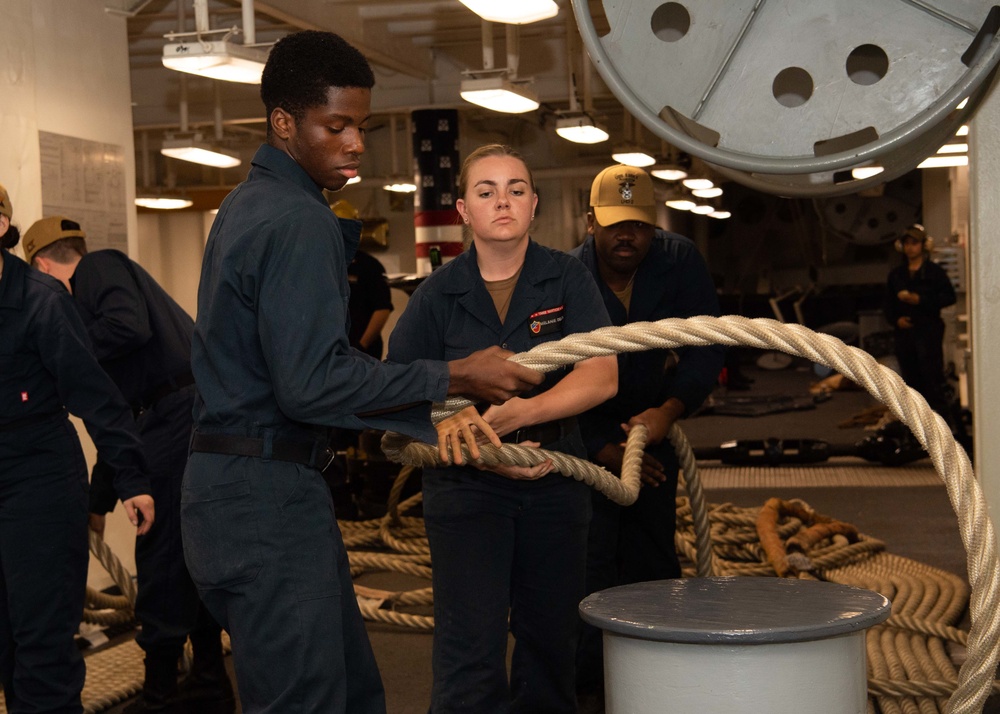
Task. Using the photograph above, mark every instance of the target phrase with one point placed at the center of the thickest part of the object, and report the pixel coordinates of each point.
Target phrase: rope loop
(950, 460)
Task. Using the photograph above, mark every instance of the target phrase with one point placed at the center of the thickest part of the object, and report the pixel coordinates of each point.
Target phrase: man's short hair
(304, 65)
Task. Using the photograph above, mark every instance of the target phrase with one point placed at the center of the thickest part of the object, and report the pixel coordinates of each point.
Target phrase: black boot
(159, 690)
(207, 689)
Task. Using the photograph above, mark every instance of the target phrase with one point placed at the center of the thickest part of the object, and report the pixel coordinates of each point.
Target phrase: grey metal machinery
(787, 96)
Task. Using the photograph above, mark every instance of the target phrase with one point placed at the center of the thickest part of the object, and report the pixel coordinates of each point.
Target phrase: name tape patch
(546, 321)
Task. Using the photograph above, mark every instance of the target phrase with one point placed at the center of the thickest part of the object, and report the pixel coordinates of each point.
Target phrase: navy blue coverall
(919, 348)
(142, 338)
(47, 367)
(500, 545)
(274, 370)
(636, 544)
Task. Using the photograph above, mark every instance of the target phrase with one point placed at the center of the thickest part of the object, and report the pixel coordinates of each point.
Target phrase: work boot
(159, 690)
(207, 689)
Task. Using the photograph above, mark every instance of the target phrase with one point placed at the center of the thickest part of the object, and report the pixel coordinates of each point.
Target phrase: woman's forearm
(591, 382)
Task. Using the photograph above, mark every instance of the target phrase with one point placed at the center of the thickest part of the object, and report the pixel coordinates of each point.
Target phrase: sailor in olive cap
(49, 370)
(142, 339)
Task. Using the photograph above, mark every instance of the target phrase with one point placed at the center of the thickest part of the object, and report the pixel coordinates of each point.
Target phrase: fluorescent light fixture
(954, 149)
(357, 179)
(863, 172)
(632, 156)
(513, 12)
(703, 209)
(400, 186)
(681, 204)
(163, 202)
(580, 129)
(719, 214)
(694, 183)
(942, 161)
(499, 94)
(219, 60)
(669, 173)
(197, 151)
(962, 130)
(961, 104)
(713, 192)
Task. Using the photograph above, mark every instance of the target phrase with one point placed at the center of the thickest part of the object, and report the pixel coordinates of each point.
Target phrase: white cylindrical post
(735, 645)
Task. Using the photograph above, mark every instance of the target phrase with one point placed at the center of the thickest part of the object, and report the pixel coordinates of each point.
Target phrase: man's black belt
(544, 433)
(313, 454)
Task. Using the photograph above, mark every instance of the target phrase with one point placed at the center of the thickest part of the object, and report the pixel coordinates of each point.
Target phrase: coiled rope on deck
(950, 461)
(104, 609)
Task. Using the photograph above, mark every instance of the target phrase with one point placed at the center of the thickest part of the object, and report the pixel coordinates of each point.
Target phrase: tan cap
(47, 231)
(345, 209)
(6, 208)
(623, 193)
(915, 231)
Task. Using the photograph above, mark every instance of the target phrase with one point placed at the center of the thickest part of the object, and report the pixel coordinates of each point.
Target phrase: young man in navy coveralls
(274, 371)
(142, 338)
(644, 274)
(47, 368)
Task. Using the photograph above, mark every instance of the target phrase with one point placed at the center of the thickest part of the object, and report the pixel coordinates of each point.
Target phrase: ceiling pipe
(183, 103)
(249, 27)
(217, 110)
(588, 100)
(147, 172)
(574, 104)
(513, 50)
(200, 15)
(486, 29)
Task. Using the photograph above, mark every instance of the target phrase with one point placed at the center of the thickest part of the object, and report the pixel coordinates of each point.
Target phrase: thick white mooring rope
(950, 460)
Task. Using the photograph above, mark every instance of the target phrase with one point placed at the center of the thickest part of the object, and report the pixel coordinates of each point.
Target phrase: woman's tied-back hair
(490, 150)
(304, 65)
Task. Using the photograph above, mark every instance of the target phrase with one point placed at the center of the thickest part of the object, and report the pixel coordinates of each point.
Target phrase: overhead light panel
(720, 214)
(962, 130)
(198, 151)
(669, 172)
(218, 60)
(353, 180)
(954, 149)
(943, 161)
(499, 94)
(713, 192)
(580, 129)
(632, 156)
(693, 183)
(681, 204)
(400, 186)
(513, 12)
(162, 202)
(703, 209)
